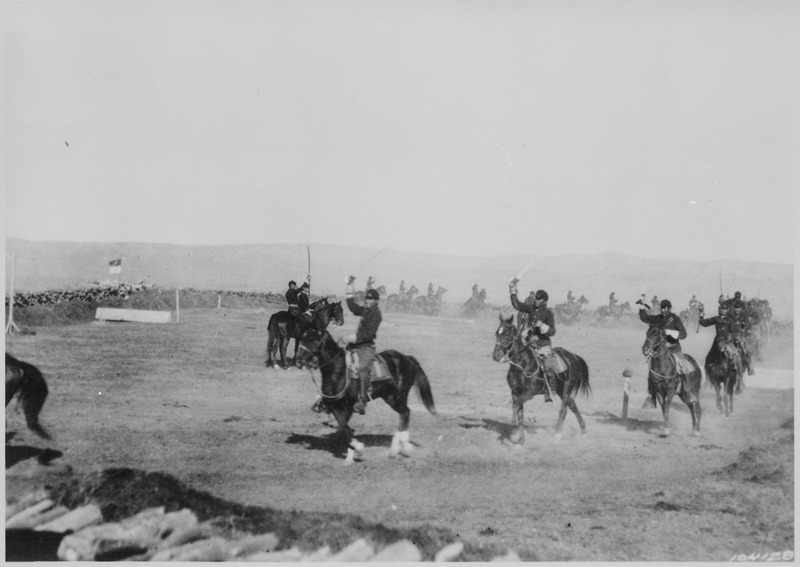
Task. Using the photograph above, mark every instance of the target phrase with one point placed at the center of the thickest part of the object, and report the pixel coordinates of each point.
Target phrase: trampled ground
(194, 400)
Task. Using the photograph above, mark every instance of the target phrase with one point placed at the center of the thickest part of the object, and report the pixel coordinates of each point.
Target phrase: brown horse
(26, 380)
(664, 381)
(723, 370)
(339, 392)
(284, 326)
(526, 376)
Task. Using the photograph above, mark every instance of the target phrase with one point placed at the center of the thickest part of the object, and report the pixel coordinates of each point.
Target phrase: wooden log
(187, 534)
(148, 529)
(18, 519)
(74, 520)
(212, 549)
(26, 501)
(253, 544)
(283, 556)
(44, 517)
(359, 550)
(449, 552)
(322, 554)
(400, 551)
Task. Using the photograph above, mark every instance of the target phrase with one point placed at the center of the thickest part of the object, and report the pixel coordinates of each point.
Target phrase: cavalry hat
(372, 294)
(541, 294)
(291, 283)
(666, 303)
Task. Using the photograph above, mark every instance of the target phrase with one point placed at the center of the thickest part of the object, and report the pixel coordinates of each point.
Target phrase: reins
(512, 354)
(319, 388)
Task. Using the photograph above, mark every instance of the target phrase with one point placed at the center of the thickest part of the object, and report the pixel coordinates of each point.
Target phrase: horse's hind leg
(401, 442)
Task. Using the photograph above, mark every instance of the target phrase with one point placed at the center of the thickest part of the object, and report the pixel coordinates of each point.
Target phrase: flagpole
(119, 274)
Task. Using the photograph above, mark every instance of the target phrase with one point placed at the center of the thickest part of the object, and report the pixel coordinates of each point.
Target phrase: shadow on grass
(334, 444)
(17, 453)
(505, 431)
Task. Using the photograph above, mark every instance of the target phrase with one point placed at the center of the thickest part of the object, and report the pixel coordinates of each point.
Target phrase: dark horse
(663, 379)
(339, 391)
(24, 378)
(283, 326)
(723, 371)
(526, 379)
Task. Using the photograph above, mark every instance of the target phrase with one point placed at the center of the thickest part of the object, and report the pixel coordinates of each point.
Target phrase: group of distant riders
(537, 322)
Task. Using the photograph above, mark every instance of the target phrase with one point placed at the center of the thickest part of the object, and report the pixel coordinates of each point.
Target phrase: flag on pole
(115, 266)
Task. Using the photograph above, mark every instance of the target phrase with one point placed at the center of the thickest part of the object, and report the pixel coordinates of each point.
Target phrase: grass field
(194, 400)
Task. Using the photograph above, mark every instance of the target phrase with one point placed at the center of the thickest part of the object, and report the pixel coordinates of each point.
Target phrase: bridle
(653, 346)
(509, 356)
(313, 352)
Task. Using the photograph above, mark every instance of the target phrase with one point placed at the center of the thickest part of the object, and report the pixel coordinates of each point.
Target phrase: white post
(177, 305)
(219, 301)
(11, 326)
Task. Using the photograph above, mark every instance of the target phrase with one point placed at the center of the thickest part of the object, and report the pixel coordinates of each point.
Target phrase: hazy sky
(659, 129)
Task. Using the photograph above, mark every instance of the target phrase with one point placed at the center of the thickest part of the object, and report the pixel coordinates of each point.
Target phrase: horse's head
(654, 341)
(504, 338)
(412, 290)
(337, 313)
(310, 347)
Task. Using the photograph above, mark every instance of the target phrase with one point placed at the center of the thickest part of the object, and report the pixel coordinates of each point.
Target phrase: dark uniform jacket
(543, 314)
(670, 322)
(291, 299)
(721, 325)
(302, 300)
(371, 319)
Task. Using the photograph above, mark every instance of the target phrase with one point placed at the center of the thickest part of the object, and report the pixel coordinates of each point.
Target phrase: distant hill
(268, 267)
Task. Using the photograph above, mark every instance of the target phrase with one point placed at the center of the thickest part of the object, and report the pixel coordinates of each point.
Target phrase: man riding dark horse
(303, 302)
(541, 326)
(725, 341)
(362, 344)
(738, 329)
(674, 331)
(291, 298)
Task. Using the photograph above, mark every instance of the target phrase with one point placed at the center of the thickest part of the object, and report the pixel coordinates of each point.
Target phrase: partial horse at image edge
(27, 382)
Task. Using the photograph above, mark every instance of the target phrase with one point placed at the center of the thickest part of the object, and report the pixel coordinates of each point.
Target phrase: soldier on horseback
(738, 329)
(570, 297)
(291, 298)
(541, 326)
(674, 332)
(363, 342)
(402, 291)
(726, 344)
(303, 301)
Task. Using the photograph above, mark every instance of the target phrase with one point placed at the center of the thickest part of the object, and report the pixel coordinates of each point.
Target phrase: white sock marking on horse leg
(350, 456)
(405, 441)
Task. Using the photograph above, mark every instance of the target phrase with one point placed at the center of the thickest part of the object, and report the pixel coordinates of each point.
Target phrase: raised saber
(308, 275)
(516, 278)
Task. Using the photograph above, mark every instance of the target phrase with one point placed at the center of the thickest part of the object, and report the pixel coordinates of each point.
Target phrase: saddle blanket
(682, 365)
(552, 360)
(379, 369)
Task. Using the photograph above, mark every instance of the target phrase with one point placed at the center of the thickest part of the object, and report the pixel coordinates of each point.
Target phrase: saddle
(682, 366)
(550, 359)
(380, 371)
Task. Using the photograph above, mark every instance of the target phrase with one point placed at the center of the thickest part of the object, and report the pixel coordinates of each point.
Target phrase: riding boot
(547, 396)
(360, 406)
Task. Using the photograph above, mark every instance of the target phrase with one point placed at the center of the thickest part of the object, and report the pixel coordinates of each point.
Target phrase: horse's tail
(576, 368)
(32, 394)
(422, 383)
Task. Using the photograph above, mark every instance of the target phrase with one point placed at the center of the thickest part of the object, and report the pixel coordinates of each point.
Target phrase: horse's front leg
(721, 390)
(518, 419)
(665, 409)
